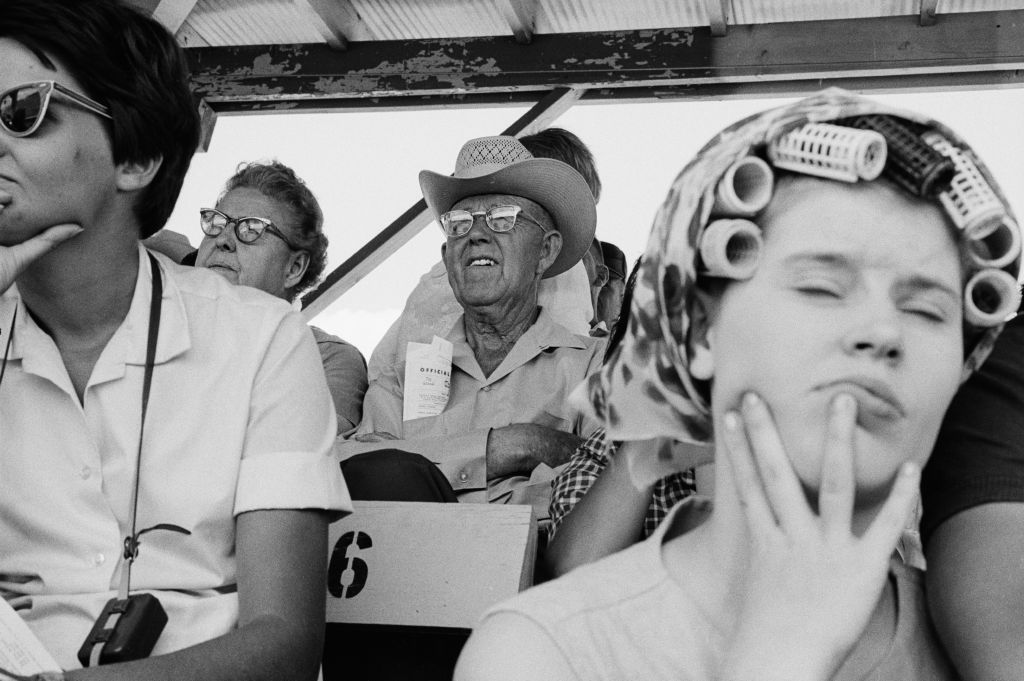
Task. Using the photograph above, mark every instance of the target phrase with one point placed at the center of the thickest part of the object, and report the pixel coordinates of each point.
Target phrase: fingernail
(69, 230)
(750, 400)
(842, 403)
(732, 420)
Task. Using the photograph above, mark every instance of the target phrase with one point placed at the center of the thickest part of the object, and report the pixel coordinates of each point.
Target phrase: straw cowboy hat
(502, 165)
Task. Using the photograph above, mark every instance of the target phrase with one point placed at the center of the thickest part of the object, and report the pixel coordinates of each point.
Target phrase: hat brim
(554, 185)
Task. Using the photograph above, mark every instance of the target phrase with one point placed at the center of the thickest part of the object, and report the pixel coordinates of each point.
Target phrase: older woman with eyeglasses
(267, 232)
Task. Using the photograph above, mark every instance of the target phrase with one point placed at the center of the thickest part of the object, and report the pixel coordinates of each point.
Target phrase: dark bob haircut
(130, 63)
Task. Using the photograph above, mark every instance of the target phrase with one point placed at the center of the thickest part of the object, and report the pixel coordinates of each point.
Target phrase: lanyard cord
(7, 348)
(131, 542)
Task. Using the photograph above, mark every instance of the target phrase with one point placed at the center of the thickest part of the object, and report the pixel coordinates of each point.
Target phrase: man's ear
(550, 247)
(700, 346)
(132, 176)
(298, 263)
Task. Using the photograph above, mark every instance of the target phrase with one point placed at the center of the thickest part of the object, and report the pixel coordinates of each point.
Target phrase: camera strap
(131, 542)
(144, 616)
(7, 345)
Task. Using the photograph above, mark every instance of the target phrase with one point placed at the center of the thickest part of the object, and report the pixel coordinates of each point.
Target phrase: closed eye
(822, 289)
(931, 313)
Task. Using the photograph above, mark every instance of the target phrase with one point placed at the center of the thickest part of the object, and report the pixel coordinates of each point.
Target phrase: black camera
(128, 628)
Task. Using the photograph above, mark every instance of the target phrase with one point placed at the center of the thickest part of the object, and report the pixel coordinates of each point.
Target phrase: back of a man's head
(130, 63)
(564, 146)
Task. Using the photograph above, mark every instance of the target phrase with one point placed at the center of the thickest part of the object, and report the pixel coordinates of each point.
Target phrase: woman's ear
(297, 266)
(132, 176)
(701, 337)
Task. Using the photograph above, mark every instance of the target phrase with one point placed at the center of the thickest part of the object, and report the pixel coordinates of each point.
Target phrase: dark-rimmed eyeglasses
(247, 230)
(456, 223)
(23, 107)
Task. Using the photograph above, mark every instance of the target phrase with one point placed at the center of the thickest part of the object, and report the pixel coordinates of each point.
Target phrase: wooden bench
(407, 581)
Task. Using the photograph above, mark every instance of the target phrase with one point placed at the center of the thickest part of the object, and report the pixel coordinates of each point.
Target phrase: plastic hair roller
(911, 163)
(745, 188)
(990, 297)
(730, 248)
(832, 151)
(996, 244)
(970, 201)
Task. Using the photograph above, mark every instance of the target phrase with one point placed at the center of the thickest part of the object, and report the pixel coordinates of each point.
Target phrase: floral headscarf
(646, 389)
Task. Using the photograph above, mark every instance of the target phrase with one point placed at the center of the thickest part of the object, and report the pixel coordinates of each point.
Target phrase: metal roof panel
(252, 22)
(424, 19)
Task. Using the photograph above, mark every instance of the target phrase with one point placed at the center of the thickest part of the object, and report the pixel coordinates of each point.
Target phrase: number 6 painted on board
(341, 562)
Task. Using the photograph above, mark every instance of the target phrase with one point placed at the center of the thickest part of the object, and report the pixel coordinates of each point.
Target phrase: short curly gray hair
(279, 182)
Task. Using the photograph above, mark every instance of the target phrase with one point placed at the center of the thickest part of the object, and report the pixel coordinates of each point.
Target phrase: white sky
(363, 168)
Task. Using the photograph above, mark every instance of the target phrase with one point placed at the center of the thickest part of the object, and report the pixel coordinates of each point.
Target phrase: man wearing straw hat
(509, 221)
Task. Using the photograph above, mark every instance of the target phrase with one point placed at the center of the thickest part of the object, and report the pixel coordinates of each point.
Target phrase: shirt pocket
(456, 419)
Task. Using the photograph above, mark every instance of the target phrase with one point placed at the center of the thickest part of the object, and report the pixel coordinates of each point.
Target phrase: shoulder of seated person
(325, 337)
(201, 282)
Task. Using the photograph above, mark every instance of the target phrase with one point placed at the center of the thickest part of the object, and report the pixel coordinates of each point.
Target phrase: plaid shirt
(588, 461)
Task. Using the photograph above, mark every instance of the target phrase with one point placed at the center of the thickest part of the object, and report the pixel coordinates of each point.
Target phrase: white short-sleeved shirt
(239, 419)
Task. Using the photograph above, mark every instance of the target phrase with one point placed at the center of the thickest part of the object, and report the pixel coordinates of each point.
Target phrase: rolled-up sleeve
(287, 462)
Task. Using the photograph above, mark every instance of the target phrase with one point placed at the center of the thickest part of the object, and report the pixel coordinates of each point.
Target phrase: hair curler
(745, 188)
(990, 297)
(730, 248)
(911, 163)
(833, 151)
(969, 201)
(996, 244)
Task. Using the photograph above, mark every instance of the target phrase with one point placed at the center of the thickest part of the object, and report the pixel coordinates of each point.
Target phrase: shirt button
(463, 476)
(99, 559)
(86, 472)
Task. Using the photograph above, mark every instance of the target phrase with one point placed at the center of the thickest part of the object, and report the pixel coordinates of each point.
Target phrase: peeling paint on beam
(388, 68)
(886, 47)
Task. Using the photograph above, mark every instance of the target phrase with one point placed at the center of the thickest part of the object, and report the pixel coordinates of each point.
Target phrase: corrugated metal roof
(253, 22)
(759, 12)
(574, 16)
(422, 19)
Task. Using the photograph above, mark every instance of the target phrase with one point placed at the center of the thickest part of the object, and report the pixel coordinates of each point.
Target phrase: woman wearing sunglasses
(267, 232)
(164, 436)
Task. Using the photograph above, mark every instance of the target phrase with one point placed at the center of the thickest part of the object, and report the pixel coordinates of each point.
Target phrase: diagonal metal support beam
(521, 17)
(718, 16)
(413, 220)
(173, 13)
(336, 20)
(928, 9)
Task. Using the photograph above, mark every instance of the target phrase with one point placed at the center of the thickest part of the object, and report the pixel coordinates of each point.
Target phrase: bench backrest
(425, 564)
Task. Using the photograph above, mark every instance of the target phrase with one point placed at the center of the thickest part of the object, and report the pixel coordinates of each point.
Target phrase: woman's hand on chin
(811, 584)
(14, 259)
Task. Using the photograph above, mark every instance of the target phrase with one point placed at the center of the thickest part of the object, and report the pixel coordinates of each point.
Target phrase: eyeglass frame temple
(87, 102)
